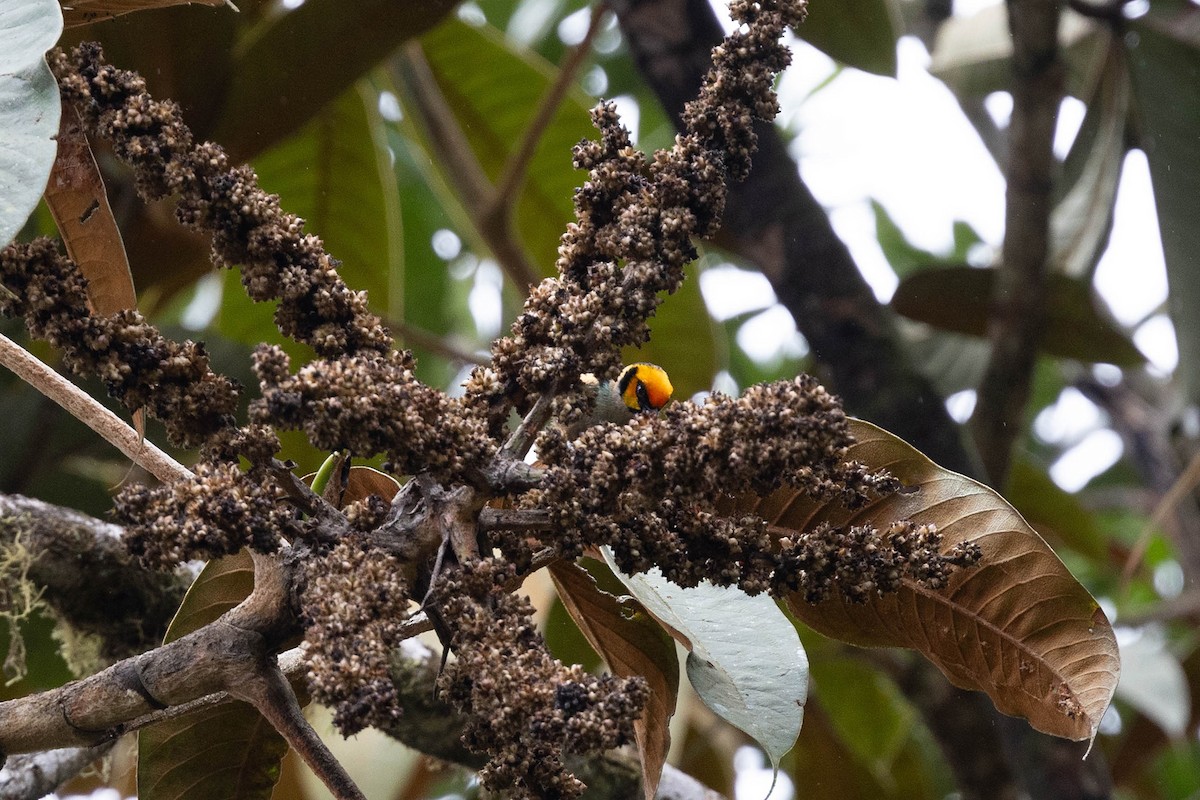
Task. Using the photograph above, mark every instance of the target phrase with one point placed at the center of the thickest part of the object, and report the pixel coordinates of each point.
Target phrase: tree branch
(27, 777)
(80, 405)
(1018, 304)
(79, 561)
(434, 728)
(272, 695)
(453, 152)
(220, 656)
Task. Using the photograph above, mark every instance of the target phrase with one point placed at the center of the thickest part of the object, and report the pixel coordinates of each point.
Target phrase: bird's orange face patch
(645, 387)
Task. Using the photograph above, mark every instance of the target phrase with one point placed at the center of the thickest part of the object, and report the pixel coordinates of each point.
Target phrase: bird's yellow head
(644, 387)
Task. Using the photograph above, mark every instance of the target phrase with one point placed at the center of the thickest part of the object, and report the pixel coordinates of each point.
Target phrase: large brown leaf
(79, 203)
(631, 643)
(1017, 626)
(84, 12)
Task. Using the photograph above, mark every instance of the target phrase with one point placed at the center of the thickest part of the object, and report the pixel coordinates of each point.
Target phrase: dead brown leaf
(84, 12)
(1018, 626)
(348, 486)
(631, 643)
(79, 203)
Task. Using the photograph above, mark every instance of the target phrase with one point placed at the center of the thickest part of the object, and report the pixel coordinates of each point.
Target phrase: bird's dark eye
(643, 397)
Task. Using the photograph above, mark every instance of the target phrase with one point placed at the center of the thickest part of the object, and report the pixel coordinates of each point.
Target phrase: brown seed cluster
(371, 403)
(353, 605)
(217, 513)
(249, 230)
(860, 563)
(636, 219)
(651, 489)
(738, 85)
(526, 709)
(139, 367)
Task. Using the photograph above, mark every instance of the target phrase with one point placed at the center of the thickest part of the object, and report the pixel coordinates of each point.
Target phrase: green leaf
(972, 52)
(320, 479)
(336, 173)
(745, 660)
(1056, 514)
(426, 276)
(29, 108)
(298, 61)
(494, 89)
(858, 33)
(221, 585)
(905, 257)
(886, 753)
(1165, 63)
(957, 299)
(952, 361)
(1154, 682)
(222, 752)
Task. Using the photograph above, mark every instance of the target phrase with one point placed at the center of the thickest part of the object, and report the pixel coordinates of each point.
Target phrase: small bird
(640, 389)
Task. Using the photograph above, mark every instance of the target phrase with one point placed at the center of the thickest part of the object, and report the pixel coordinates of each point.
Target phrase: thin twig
(516, 167)
(514, 519)
(329, 519)
(1183, 486)
(1018, 303)
(414, 625)
(517, 446)
(413, 335)
(455, 155)
(83, 407)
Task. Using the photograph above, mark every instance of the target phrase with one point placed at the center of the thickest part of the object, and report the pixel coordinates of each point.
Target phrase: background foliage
(355, 150)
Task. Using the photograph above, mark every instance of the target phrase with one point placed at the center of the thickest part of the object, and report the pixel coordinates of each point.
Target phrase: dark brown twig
(1018, 304)
(454, 153)
(515, 169)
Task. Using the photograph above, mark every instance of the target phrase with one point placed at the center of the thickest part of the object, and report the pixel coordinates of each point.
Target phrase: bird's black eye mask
(643, 397)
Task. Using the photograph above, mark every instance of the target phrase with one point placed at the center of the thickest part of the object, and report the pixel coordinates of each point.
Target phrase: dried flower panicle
(650, 489)
(738, 86)
(370, 404)
(526, 710)
(860, 562)
(636, 219)
(216, 513)
(656, 490)
(278, 260)
(353, 603)
(138, 366)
